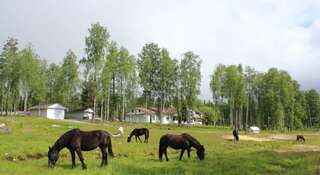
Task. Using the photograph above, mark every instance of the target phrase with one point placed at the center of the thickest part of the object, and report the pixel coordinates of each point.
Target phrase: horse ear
(202, 147)
(50, 148)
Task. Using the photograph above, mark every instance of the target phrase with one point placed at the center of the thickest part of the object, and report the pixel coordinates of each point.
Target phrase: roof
(89, 110)
(52, 106)
(86, 110)
(254, 128)
(169, 110)
(140, 110)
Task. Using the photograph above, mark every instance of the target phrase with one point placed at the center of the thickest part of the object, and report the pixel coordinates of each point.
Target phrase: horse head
(129, 138)
(53, 156)
(200, 152)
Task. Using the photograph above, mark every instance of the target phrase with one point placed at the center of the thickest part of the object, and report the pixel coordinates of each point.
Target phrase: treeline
(108, 78)
(244, 97)
(112, 81)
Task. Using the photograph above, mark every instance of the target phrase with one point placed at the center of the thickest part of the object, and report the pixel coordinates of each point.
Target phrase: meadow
(24, 151)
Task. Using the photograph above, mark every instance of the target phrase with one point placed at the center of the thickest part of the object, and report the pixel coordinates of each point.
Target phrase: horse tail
(116, 135)
(160, 151)
(110, 147)
(147, 133)
(161, 144)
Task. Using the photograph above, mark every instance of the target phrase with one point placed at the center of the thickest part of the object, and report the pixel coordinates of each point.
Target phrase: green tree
(10, 66)
(148, 66)
(190, 77)
(68, 80)
(28, 74)
(53, 73)
(96, 44)
(313, 107)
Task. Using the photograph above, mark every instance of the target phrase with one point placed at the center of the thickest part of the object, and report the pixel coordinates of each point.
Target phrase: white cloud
(263, 34)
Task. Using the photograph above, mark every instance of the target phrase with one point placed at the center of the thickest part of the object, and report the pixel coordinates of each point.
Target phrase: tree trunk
(247, 113)
(94, 107)
(231, 116)
(25, 102)
(108, 105)
(146, 106)
(123, 105)
(101, 109)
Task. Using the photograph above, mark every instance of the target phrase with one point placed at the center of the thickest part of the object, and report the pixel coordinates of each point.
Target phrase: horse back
(174, 141)
(89, 140)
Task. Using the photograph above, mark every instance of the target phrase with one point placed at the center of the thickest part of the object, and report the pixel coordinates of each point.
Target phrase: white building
(54, 111)
(141, 115)
(254, 129)
(195, 118)
(81, 114)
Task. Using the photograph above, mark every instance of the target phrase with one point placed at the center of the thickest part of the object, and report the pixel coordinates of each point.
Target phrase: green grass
(23, 151)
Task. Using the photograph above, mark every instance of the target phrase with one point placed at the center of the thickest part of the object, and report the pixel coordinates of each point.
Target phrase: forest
(113, 81)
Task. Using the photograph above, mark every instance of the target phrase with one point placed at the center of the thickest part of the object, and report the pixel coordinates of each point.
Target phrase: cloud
(263, 34)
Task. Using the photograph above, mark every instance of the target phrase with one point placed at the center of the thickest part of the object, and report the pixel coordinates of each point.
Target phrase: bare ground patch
(282, 137)
(300, 148)
(258, 138)
(248, 138)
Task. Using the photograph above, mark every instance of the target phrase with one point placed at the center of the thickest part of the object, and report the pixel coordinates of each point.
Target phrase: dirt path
(248, 138)
(300, 148)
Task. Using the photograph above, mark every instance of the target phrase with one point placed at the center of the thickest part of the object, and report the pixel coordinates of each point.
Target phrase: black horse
(300, 138)
(235, 134)
(76, 140)
(183, 142)
(139, 132)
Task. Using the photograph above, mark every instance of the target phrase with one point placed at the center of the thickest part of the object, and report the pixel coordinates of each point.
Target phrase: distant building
(53, 111)
(195, 117)
(141, 115)
(254, 129)
(80, 114)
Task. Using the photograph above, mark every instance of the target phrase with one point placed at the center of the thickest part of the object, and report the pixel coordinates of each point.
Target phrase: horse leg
(181, 154)
(81, 159)
(136, 139)
(139, 139)
(188, 150)
(103, 160)
(160, 154)
(165, 153)
(73, 156)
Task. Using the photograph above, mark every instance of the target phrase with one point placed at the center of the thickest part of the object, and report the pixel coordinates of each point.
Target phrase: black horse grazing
(76, 140)
(300, 138)
(139, 132)
(183, 142)
(235, 135)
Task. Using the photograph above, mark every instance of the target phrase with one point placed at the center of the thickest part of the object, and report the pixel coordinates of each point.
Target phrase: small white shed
(80, 114)
(254, 129)
(53, 111)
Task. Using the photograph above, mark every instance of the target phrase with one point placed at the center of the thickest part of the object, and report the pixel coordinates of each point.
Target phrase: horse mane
(194, 142)
(62, 140)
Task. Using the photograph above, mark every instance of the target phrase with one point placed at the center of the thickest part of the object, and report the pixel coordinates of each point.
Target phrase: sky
(262, 34)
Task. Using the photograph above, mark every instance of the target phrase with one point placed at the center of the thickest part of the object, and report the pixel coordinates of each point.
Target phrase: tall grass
(24, 150)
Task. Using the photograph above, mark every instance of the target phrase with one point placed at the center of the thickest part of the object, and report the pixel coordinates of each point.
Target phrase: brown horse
(300, 138)
(76, 140)
(139, 132)
(183, 142)
(235, 134)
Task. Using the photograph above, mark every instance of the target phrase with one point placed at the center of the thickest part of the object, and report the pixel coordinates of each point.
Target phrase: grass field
(24, 150)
